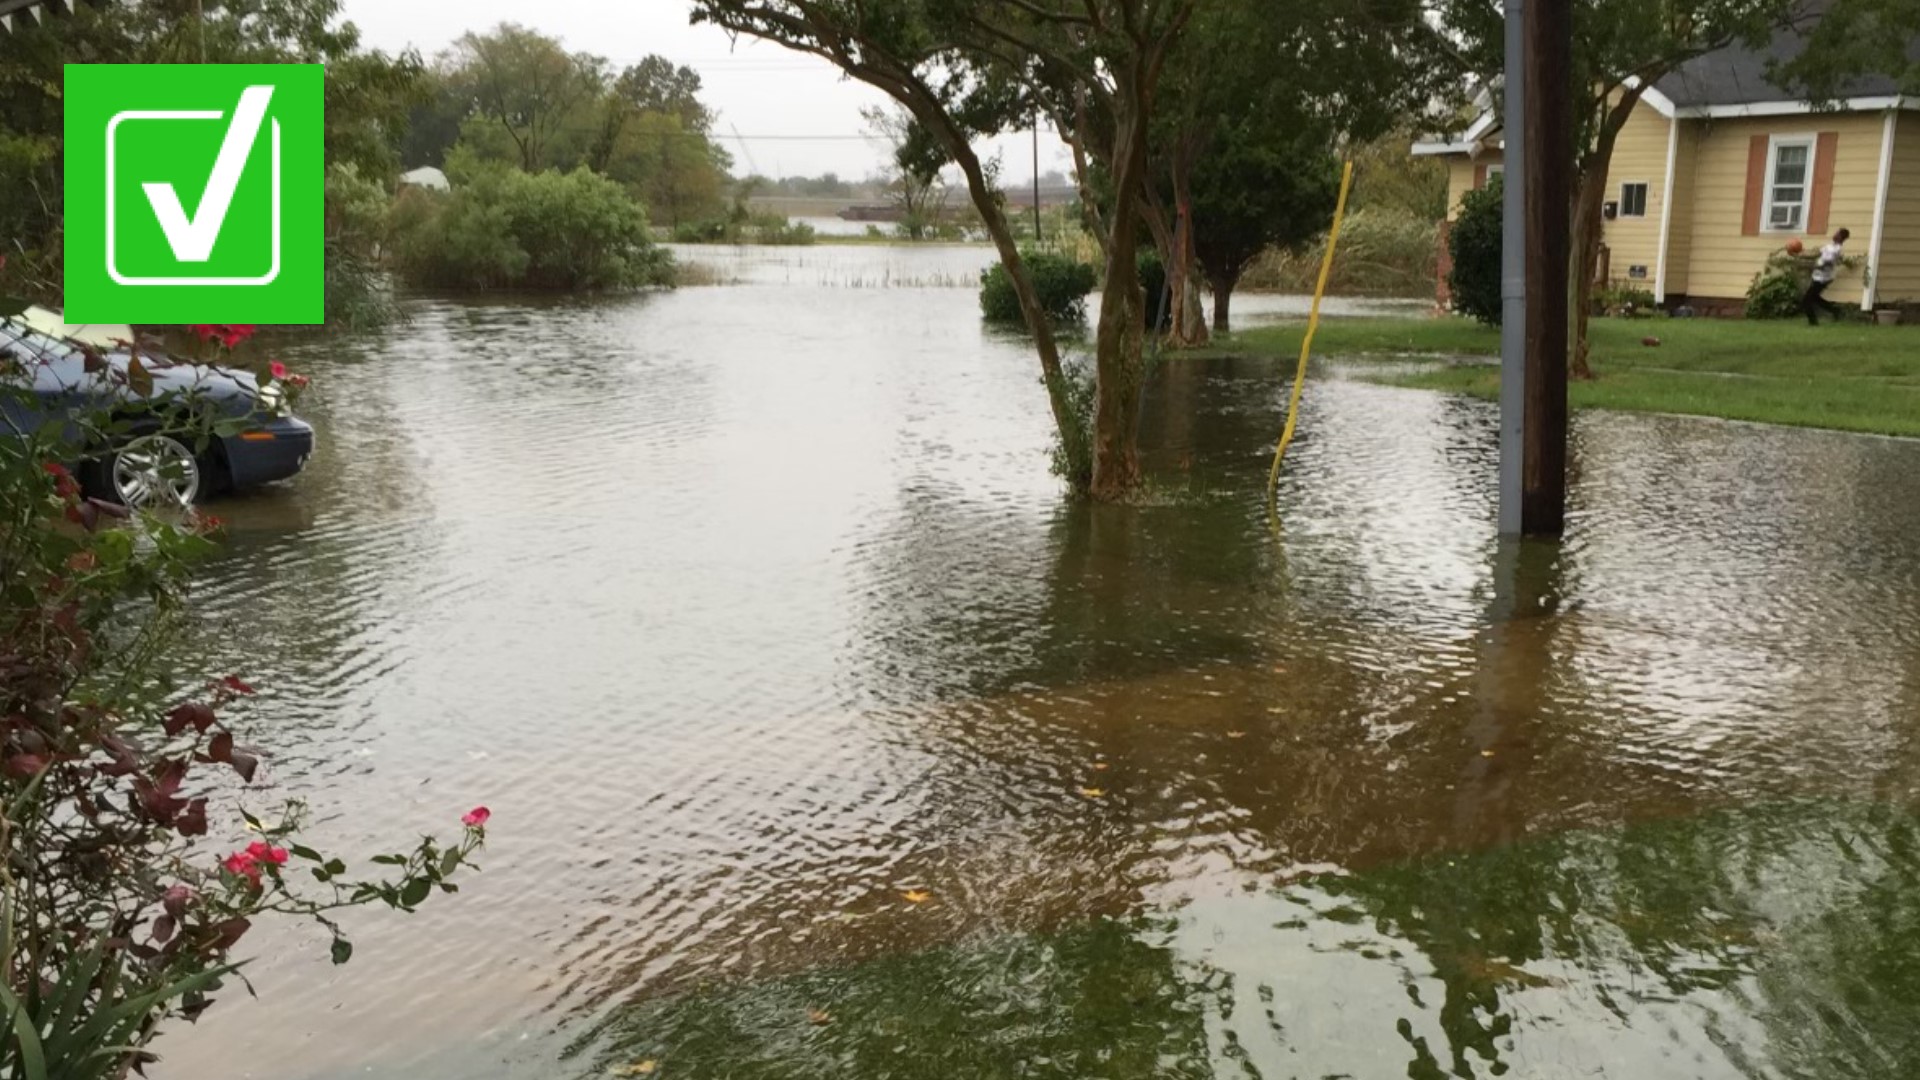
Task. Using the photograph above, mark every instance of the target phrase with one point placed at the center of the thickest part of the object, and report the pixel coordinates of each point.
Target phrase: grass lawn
(1847, 377)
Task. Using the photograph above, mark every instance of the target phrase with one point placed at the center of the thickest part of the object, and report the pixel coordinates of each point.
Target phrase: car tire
(150, 470)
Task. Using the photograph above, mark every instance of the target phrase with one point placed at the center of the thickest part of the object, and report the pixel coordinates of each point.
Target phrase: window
(1633, 199)
(1496, 170)
(1789, 182)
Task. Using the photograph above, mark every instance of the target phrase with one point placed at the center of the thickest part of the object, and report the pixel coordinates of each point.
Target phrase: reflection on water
(751, 609)
(1777, 941)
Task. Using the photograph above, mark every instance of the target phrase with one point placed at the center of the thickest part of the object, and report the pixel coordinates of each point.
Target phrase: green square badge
(194, 193)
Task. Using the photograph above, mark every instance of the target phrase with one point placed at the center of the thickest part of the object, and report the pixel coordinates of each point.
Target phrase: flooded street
(751, 610)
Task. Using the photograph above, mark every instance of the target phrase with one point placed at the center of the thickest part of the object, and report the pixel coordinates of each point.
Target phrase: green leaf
(449, 862)
(33, 1060)
(390, 860)
(336, 867)
(306, 853)
(342, 950)
(416, 891)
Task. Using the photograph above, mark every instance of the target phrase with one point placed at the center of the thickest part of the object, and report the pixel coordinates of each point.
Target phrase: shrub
(1476, 245)
(357, 292)
(1061, 282)
(114, 778)
(1777, 289)
(1627, 301)
(504, 228)
(1383, 252)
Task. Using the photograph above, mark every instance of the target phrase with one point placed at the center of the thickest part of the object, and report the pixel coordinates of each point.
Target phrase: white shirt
(1829, 259)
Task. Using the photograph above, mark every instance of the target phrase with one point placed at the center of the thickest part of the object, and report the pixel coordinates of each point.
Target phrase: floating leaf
(638, 1068)
(1236, 734)
(1100, 766)
(1486, 753)
(1094, 792)
(819, 1016)
(916, 896)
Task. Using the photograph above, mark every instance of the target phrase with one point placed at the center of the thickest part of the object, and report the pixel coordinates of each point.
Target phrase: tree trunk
(1590, 191)
(1222, 302)
(1589, 195)
(1116, 417)
(1189, 323)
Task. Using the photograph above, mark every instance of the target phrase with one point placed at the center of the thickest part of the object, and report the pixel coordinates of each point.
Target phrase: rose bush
(118, 908)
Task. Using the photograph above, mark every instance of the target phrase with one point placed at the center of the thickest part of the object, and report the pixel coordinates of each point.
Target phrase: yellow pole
(1313, 324)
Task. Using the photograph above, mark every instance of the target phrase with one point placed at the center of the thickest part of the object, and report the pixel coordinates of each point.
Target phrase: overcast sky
(795, 114)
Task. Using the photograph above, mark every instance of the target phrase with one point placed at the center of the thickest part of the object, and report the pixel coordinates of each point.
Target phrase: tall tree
(965, 68)
(1253, 191)
(1257, 102)
(656, 85)
(524, 88)
(913, 181)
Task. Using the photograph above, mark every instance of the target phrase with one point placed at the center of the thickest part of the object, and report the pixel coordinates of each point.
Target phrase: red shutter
(1820, 208)
(1479, 177)
(1756, 184)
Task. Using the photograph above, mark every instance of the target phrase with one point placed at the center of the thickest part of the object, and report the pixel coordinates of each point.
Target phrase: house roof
(1737, 75)
(1727, 83)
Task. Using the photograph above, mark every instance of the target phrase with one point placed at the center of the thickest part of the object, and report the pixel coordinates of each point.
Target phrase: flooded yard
(825, 738)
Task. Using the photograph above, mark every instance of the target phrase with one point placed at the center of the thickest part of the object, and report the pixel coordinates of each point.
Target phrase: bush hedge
(501, 228)
(1063, 284)
(1477, 246)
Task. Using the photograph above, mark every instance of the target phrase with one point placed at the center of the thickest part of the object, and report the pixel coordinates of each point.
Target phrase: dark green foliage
(506, 229)
(368, 95)
(1476, 244)
(357, 291)
(1061, 282)
(1153, 282)
(1777, 290)
(1260, 184)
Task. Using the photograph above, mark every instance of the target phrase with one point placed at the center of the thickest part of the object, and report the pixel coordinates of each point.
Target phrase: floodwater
(750, 610)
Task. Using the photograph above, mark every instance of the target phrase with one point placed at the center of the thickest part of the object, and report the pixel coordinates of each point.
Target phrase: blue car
(44, 381)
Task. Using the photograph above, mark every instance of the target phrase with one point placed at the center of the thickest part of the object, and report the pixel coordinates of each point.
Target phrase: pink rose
(277, 369)
(476, 818)
(242, 864)
(261, 851)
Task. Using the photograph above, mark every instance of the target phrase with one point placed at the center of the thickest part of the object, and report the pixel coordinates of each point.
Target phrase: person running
(1823, 272)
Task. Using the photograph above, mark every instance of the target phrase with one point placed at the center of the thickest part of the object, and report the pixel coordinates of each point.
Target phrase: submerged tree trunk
(1187, 328)
(1116, 424)
(1223, 287)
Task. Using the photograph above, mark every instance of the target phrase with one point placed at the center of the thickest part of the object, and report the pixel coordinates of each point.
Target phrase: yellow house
(1717, 168)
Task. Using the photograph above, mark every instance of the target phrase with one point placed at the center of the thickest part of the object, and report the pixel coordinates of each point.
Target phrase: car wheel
(152, 471)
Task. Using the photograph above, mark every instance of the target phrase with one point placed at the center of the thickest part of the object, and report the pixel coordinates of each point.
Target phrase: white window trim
(1496, 168)
(1624, 185)
(1811, 141)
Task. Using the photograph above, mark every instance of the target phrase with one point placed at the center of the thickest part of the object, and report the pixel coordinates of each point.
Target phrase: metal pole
(1549, 194)
(1513, 277)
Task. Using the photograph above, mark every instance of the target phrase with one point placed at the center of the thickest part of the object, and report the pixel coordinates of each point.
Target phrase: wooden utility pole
(1539, 189)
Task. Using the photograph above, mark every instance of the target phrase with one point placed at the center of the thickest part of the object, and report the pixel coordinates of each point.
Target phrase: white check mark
(192, 238)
